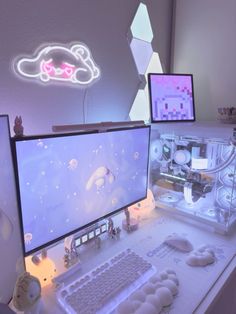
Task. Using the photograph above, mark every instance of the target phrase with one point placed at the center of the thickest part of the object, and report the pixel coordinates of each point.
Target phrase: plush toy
(18, 127)
(27, 293)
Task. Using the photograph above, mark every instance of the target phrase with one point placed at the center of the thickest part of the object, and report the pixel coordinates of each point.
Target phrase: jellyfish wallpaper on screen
(171, 97)
(67, 182)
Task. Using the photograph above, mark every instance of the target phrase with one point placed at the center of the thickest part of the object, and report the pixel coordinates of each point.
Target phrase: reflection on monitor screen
(66, 182)
(171, 97)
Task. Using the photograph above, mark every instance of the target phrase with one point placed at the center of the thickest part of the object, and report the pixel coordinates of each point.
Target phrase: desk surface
(195, 282)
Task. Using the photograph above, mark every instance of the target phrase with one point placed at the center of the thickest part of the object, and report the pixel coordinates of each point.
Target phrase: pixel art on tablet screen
(171, 97)
(67, 182)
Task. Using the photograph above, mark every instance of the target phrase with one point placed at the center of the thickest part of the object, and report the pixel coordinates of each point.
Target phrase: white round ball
(136, 304)
(158, 285)
(149, 288)
(171, 286)
(125, 307)
(155, 278)
(170, 271)
(173, 278)
(145, 308)
(155, 302)
(163, 275)
(138, 295)
(165, 296)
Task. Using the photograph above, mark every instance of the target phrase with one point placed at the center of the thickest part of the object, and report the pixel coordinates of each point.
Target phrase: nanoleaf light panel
(140, 37)
(60, 63)
(141, 26)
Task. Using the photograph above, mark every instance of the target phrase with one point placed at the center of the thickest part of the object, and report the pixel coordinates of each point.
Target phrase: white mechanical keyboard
(105, 287)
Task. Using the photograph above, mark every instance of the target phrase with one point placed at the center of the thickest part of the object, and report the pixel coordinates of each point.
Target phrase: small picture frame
(84, 238)
(77, 242)
(91, 235)
(103, 228)
(97, 232)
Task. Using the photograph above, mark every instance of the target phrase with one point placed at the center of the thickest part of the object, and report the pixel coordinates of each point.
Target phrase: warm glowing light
(143, 209)
(61, 63)
(45, 270)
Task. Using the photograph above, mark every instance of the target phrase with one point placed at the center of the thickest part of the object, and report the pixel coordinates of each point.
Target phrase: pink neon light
(64, 71)
(68, 70)
(71, 63)
(47, 67)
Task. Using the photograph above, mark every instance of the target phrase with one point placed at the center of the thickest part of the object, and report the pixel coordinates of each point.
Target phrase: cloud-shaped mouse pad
(59, 63)
(201, 257)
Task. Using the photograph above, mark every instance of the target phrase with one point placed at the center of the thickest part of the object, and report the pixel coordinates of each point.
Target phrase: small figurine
(66, 260)
(27, 294)
(116, 232)
(110, 227)
(113, 232)
(71, 254)
(18, 127)
(127, 215)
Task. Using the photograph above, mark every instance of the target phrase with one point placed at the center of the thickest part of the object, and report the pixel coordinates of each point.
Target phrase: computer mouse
(179, 242)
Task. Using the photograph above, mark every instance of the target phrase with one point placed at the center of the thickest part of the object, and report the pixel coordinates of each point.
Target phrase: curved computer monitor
(11, 261)
(68, 181)
(171, 97)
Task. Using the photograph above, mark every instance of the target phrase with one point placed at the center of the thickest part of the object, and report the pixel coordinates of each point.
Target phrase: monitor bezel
(150, 98)
(55, 241)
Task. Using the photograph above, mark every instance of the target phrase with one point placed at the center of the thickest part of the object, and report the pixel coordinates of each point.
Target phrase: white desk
(198, 287)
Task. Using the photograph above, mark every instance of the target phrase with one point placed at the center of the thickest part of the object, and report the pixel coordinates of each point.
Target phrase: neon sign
(72, 63)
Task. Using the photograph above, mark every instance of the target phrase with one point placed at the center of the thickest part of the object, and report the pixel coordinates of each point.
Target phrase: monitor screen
(67, 182)
(12, 261)
(171, 97)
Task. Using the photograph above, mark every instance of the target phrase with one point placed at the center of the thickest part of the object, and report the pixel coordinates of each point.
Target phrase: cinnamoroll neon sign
(70, 64)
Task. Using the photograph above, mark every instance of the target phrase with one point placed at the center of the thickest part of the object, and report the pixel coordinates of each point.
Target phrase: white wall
(103, 26)
(205, 45)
